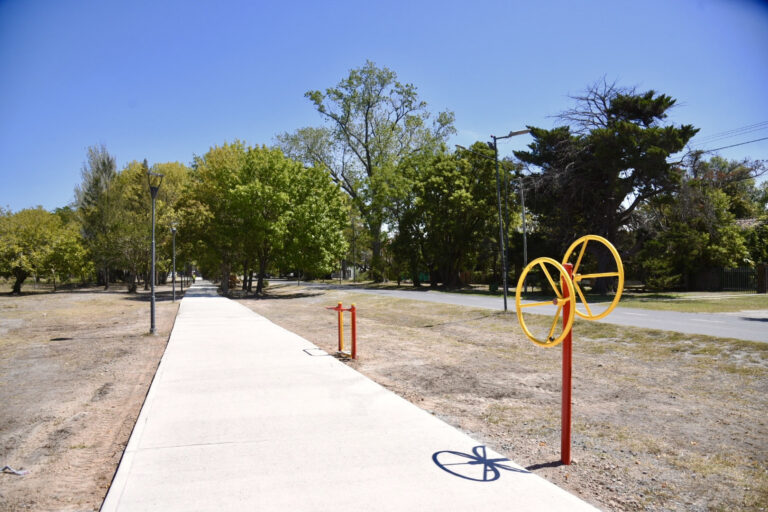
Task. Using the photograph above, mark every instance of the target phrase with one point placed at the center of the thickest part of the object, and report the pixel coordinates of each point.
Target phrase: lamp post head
(173, 227)
(154, 179)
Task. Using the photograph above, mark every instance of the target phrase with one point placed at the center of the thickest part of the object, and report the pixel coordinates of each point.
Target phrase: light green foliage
(36, 242)
(208, 214)
(315, 238)
(68, 256)
(757, 240)
(736, 179)
(691, 231)
(374, 122)
(250, 203)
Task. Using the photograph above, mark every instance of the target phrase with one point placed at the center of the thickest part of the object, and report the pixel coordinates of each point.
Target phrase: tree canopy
(254, 205)
(373, 122)
(591, 177)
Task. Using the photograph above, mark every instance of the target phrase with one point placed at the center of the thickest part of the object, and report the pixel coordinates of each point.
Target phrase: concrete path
(244, 415)
(743, 325)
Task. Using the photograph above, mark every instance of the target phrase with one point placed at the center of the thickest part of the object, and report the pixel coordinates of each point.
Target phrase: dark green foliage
(591, 177)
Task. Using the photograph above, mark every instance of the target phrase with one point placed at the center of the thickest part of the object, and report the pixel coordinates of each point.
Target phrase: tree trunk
(434, 277)
(106, 278)
(377, 263)
(262, 270)
(245, 275)
(20, 276)
(133, 282)
(250, 281)
(450, 275)
(224, 278)
(53, 275)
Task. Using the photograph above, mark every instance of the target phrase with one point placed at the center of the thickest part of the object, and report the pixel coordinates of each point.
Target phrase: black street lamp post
(154, 180)
(502, 234)
(173, 278)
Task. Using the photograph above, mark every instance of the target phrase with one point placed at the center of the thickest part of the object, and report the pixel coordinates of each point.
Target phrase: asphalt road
(744, 325)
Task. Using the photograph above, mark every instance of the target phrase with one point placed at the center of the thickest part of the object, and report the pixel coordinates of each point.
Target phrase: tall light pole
(502, 235)
(522, 214)
(154, 180)
(173, 278)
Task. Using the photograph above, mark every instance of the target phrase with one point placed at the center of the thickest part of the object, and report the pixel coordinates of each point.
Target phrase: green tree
(373, 123)
(96, 209)
(68, 256)
(458, 197)
(689, 231)
(28, 240)
(315, 223)
(255, 204)
(209, 215)
(735, 178)
(614, 157)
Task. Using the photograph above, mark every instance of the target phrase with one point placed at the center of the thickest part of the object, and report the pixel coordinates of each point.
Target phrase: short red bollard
(353, 311)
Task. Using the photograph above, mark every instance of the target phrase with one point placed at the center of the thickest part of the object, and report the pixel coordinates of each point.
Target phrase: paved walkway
(244, 415)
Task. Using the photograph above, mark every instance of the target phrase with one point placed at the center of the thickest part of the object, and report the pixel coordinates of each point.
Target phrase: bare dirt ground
(75, 367)
(661, 421)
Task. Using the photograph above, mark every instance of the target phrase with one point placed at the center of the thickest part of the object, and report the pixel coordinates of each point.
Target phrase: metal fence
(741, 279)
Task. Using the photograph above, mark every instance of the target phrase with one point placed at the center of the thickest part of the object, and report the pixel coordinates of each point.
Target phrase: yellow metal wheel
(557, 281)
(580, 245)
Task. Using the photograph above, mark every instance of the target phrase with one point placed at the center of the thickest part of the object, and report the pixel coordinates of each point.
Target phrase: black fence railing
(741, 279)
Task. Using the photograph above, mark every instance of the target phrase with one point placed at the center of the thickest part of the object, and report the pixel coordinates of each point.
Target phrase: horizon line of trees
(376, 188)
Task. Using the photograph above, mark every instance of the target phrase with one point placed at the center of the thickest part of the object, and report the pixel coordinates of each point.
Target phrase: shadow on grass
(643, 297)
(268, 296)
(27, 292)
(159, 296)
(464, 320)
(544, 465)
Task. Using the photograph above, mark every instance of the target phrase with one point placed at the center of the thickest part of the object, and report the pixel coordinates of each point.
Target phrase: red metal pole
(353, 320)
(340, 314)
(565, 435)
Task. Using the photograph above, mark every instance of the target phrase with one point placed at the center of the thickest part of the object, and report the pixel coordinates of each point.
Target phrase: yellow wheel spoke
(551, 281)
(535, 304)
(554, 324)
(581, 296)
(580, 246)
(565, 292)
(600, 274)
(581, 255)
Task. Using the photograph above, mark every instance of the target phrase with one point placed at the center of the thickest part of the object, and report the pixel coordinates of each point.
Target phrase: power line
(734, 145)
(732, 133)
(731, 136)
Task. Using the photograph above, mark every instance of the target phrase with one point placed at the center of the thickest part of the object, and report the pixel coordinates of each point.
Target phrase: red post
(341, 326)
(353, 321)
(565, 435)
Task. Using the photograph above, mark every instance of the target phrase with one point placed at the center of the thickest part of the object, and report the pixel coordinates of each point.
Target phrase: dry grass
(74, 369)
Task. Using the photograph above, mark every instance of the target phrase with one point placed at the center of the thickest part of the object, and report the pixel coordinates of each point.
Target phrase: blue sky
(165, 80)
